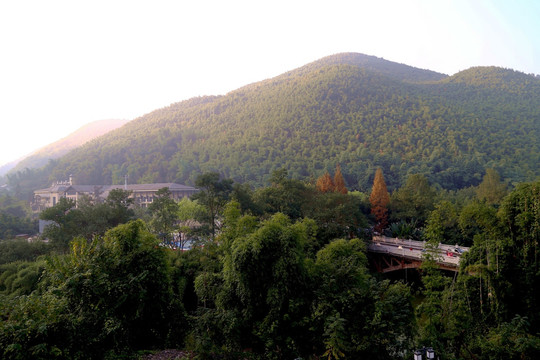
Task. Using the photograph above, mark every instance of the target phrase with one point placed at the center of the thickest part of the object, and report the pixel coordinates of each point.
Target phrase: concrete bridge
(391, 254)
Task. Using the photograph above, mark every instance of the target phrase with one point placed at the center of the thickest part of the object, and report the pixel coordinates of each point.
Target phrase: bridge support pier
(384, 263)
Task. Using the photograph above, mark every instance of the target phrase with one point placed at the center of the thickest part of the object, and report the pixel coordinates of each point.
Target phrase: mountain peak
(380, 66)
(495, 77)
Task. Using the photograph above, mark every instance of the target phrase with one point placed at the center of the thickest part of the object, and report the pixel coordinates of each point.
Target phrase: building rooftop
(107, 188)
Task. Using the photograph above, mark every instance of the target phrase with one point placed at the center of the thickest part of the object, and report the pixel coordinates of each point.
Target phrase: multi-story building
(143, 194)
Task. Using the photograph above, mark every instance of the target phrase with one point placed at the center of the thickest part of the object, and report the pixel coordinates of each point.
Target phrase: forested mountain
(61, 147)
(356, 110)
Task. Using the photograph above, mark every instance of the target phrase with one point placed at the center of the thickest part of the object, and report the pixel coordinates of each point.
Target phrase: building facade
(143, 194)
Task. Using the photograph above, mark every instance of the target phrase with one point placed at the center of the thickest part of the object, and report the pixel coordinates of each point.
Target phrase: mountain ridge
(327, 112)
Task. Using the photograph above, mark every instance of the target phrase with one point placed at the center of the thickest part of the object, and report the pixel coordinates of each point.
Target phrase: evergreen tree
(287, 196)
(414, 200)
(214, 194)
(442, 224)
(491, 188)
(164, 212)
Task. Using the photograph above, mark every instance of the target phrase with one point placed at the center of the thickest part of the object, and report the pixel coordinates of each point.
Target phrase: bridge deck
(412, 252)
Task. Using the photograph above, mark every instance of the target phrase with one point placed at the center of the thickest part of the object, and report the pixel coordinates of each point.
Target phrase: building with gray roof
(143, 194)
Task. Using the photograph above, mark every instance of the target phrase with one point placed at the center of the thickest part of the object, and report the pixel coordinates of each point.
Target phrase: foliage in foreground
(279, 286)
(108, 295)
(272, 298)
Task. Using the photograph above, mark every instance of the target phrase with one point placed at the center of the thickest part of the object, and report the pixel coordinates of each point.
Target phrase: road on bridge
(411, 249)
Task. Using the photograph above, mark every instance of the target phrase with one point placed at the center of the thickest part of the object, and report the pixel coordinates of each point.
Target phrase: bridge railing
(417, 244)
(413, 249)
(412, 243)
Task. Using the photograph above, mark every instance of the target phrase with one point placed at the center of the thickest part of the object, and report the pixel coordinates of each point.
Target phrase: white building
(143, 194)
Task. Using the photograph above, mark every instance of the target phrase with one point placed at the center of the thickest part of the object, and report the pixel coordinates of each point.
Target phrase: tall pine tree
(379, 200)
(339, 182)
(325, 183)
(491, 189)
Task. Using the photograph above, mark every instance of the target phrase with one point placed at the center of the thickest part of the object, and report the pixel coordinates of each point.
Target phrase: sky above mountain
(65, 63)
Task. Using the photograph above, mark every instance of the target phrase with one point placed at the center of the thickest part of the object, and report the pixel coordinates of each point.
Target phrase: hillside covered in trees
(355, 110)
(279, 272)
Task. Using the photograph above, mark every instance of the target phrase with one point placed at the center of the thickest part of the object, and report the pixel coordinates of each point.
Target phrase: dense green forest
(278, 266)
(277, 272)
(356, 110)
(15, 218)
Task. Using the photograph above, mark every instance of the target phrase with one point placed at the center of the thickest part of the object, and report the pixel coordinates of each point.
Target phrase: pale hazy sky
(66, 63)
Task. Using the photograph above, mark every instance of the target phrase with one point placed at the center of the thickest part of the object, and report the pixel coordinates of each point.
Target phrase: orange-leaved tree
(379, 200)
(325, 183)
(339, 182)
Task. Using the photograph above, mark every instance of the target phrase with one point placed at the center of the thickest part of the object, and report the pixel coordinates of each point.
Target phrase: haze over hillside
(61, 147)
(359, 111)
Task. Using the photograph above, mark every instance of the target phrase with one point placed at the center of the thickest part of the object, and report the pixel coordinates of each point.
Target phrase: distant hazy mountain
(61, 147)
(359, 111)
(8, 166)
